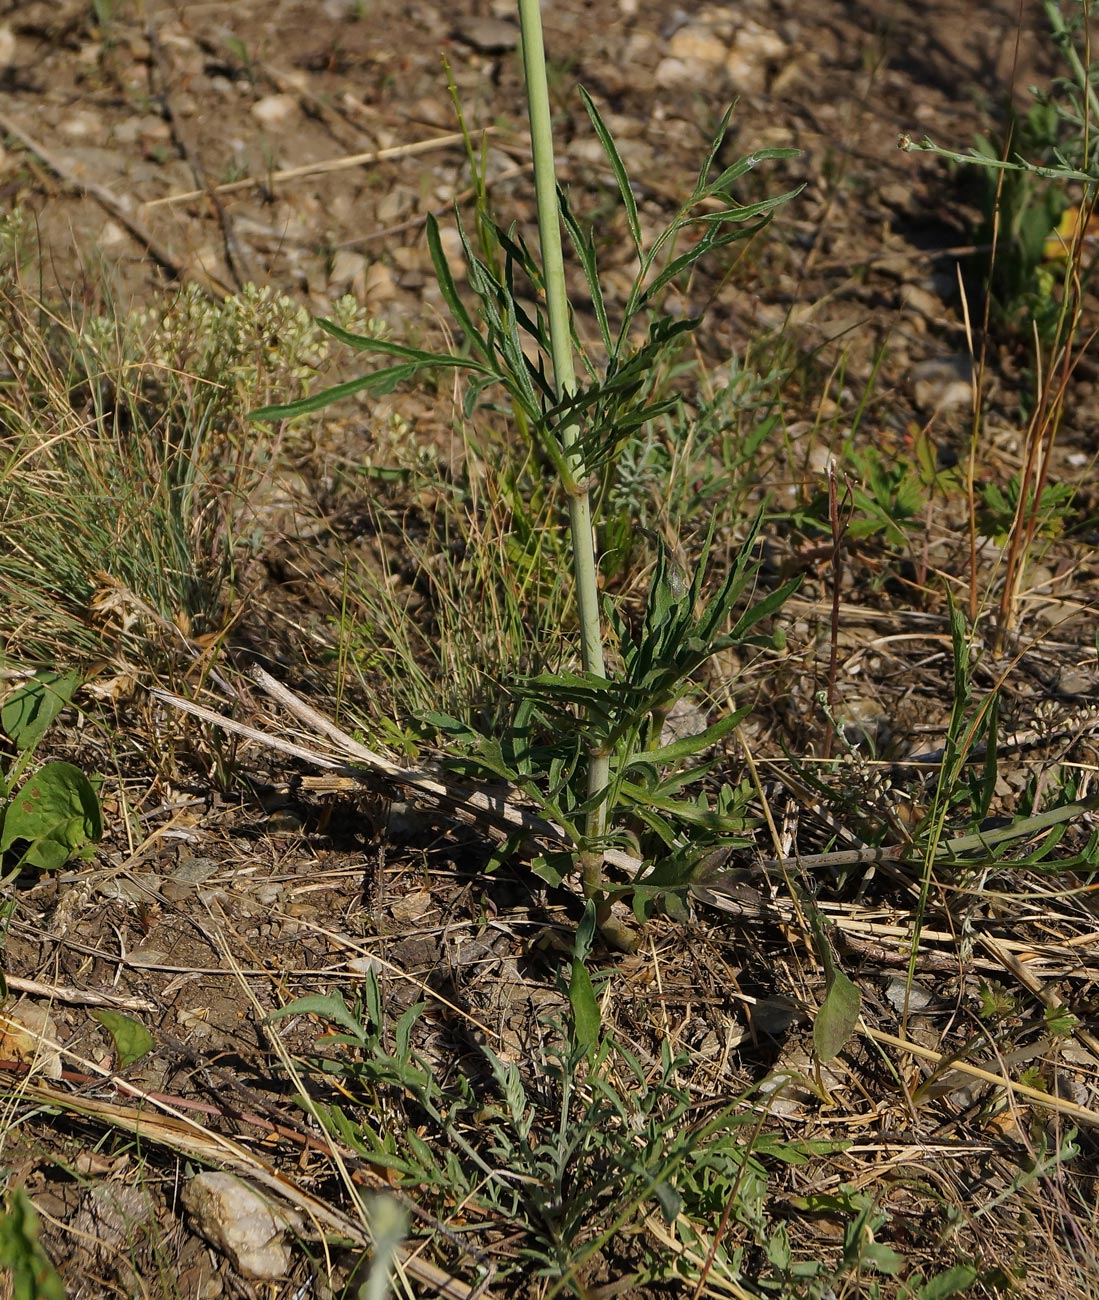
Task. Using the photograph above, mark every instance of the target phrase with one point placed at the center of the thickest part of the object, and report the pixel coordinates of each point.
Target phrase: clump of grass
(126, 483)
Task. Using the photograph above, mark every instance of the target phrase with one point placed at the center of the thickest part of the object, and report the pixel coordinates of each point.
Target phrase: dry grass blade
(191, 1139)
(496, 813)
(1034, 985)
(319, 168)
(78, 997)
(1070, 1109)
(157, 1121)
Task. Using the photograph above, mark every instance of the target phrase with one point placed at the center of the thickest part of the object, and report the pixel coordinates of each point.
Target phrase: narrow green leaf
(378, 381)
(386, 347)
(584, 248)
(449, 289)
(711, 241)
(837, 1018)
(686, 746)
(770, 604)
(585, 933)
(715, 148)
(131, 1039)
(388, 1227)
(621, 177)
(746, 164)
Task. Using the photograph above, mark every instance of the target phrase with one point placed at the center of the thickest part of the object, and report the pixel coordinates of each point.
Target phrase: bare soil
(121, 120)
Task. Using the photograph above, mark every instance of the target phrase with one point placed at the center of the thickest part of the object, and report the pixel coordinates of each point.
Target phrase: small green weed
(562, 1160)
(31, 1274)
(1000, 506)
(53, 815)
(609, 755)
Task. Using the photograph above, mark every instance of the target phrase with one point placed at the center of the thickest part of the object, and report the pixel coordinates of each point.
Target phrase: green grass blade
(715, 148)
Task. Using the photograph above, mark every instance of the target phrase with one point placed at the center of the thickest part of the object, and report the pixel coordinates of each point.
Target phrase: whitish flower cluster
(259, 329)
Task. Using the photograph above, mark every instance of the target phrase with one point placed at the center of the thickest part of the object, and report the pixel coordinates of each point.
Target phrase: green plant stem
(557, 307)
(1063, 40)
(927, 145)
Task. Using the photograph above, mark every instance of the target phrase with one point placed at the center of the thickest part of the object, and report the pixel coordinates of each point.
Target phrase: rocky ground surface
(302, 145)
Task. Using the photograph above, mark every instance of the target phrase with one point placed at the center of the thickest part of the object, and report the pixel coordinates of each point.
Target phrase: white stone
(676, 72)
(380, 285)
(236, 1220)
(754, 50)
(348, 273)
(7, 46)
(276, 112)
(111, 237)
(943, 382)
(697, 44)
(81, 125)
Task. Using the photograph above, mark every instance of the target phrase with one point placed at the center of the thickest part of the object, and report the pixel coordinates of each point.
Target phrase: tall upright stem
(557, 307)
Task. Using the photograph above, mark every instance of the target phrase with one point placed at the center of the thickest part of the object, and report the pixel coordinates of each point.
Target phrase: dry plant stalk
(496, 811)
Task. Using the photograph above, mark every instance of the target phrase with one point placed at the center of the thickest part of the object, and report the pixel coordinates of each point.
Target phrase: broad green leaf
(28, 711)
(56, 813)
(552, 868)
(837, 1018)
(951, 1282)
(27, 1267)
(669, 1200)
(584, 1006)
(880, 1256)
(131, 1039)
